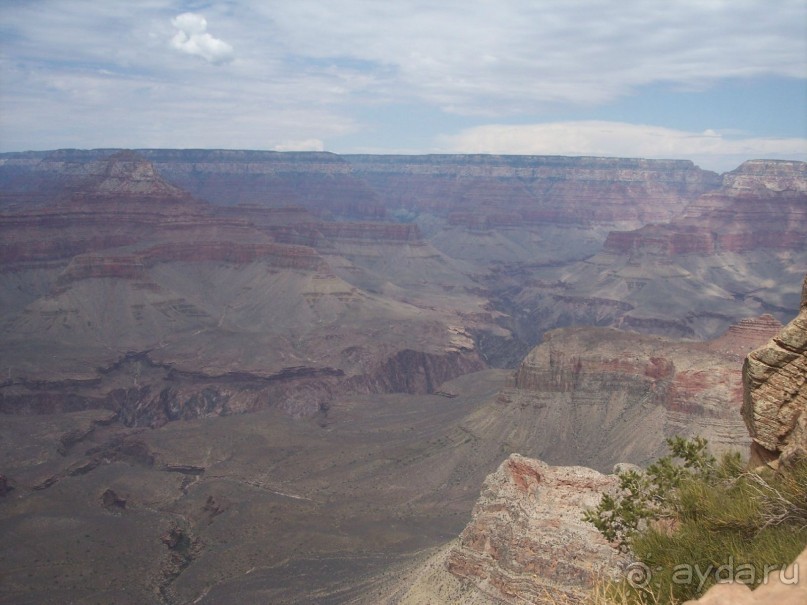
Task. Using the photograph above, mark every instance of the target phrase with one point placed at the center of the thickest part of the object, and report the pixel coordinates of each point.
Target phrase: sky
(714, 81)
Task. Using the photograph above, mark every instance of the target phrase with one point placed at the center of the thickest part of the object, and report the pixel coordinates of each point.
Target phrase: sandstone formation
(221, 176)
(495, 189)
(526, 542)
(351, 304)
(484, 192)
(510, 553)
(510, 228)
(526, 538)
(775, 396)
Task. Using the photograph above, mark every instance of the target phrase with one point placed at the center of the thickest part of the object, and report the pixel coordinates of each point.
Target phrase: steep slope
(599, 396)
(321, 182)
(129, 294)
(529, 209)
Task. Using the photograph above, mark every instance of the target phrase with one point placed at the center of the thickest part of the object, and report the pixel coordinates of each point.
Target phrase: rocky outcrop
(527, 540)
(759, 176)
(775, 396)
(125, 175)
(417, 372)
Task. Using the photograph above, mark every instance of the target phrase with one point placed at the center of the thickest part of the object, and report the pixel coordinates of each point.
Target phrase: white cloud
(192, 38)
(318, 69)
(708, 149)
(514, 56)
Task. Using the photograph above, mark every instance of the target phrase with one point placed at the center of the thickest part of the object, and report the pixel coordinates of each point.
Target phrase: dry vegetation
(691, 520)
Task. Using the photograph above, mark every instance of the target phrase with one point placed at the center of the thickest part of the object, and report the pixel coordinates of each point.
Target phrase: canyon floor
(239, 509)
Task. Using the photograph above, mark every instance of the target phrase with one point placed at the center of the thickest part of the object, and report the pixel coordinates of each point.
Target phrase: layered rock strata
(125, 292)
(482, 192)
(471, 189)
(604, 396)
(761, 205)
(775, 395)
(527, 540)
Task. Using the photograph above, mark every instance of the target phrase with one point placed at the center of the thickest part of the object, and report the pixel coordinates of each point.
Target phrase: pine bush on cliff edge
(690, 520)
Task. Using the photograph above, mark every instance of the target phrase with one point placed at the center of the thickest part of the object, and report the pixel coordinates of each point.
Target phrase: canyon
(527, 541)
(242, 376)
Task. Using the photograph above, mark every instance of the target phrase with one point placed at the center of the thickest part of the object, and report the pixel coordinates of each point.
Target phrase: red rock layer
(478, 191)
(762, 205)
(527, 538)
(123, 202)
(692, 377)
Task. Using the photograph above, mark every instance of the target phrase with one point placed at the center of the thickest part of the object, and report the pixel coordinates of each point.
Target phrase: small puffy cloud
(709, 149)
(192, 38)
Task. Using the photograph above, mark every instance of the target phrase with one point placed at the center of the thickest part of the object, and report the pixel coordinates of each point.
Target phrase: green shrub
(690, 520)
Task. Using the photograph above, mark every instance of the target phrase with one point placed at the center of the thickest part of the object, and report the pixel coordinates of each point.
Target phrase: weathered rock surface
(474, 189)
(511, 224)
(732, 253)
(526, 541)
(526, 536)
(775, 396)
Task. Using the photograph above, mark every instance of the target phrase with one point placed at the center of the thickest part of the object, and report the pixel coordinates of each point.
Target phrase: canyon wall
(127, 293)
(526, 541)
(482, 191)
(761, 204)
(471, 190)
(599, 396)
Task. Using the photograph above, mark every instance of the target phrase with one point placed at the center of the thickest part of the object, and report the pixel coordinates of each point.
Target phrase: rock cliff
(525, 541)
(762, 204)
(599, 396)
(481, 192)
(775, 395)
(476, 189)
(730, 254)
